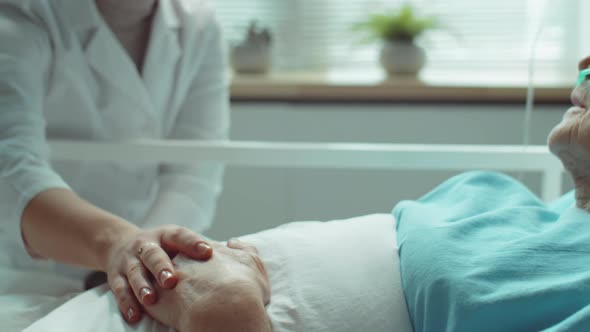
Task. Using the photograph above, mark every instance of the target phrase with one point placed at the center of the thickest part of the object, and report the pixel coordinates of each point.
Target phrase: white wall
(255, 199)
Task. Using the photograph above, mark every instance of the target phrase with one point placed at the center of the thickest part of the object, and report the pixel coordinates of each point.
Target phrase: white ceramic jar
(251, 58)
(402, 58)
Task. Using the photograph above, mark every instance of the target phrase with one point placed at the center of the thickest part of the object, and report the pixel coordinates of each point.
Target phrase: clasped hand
(139, 260)
(227, 293)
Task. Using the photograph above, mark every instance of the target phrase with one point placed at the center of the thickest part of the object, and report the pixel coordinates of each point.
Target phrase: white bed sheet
(325, 276)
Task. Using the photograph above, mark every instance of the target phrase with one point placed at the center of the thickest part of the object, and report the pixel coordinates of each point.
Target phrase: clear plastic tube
(530, 95)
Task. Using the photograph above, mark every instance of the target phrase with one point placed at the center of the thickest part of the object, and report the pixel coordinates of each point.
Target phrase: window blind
(481, 36)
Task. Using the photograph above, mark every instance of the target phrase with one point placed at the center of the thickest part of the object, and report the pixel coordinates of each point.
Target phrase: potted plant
(253, 54)
(397, 31)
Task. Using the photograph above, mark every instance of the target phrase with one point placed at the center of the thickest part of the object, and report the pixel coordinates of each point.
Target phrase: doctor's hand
(138, 260)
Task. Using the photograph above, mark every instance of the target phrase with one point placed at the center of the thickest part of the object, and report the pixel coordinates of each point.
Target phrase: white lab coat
(64, 75)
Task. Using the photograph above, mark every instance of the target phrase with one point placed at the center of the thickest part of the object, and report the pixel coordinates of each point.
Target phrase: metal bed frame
(327, 155)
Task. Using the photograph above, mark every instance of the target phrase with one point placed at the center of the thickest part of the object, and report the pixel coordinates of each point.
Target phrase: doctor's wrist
(111, 237)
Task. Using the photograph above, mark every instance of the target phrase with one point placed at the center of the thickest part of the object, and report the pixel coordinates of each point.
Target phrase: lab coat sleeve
(188, 193)
(24, 154)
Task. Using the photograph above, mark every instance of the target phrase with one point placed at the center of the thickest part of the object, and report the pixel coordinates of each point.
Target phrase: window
(485, 37)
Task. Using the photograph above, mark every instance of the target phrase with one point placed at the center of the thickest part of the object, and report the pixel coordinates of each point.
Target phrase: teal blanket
(482, 253)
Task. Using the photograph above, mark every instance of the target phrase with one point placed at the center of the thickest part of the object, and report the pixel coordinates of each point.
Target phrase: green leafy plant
(402, 25)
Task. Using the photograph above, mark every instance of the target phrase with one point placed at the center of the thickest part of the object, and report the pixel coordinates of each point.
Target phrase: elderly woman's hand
(139, 262)
(227, 293)
(570, 140)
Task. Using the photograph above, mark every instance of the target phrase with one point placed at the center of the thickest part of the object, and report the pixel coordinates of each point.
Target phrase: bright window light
(478, 36)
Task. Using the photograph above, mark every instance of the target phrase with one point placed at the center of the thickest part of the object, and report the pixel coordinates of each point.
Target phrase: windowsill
(373, 86)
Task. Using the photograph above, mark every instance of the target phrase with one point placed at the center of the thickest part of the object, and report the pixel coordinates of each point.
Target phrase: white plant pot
(402, 58)
(251, 59)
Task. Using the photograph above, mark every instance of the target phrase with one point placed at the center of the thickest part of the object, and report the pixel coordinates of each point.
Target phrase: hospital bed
(58, 310)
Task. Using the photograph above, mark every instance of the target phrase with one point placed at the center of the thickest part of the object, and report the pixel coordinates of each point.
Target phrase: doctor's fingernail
(203, 248)
(145, 292)
(130, 314)
(165, 276)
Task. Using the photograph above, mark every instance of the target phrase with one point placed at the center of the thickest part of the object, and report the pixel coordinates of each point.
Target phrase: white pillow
(335, 276)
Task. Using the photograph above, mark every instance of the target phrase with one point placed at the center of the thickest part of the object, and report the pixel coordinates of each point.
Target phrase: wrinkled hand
(226, 293)
(139, 263)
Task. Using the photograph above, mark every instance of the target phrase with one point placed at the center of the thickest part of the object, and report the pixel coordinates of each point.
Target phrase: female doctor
(108, 70)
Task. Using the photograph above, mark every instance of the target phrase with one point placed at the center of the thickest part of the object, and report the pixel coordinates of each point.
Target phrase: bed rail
(327, 155)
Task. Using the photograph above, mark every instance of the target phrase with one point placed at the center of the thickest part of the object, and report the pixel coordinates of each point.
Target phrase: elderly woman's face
(570, 139)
